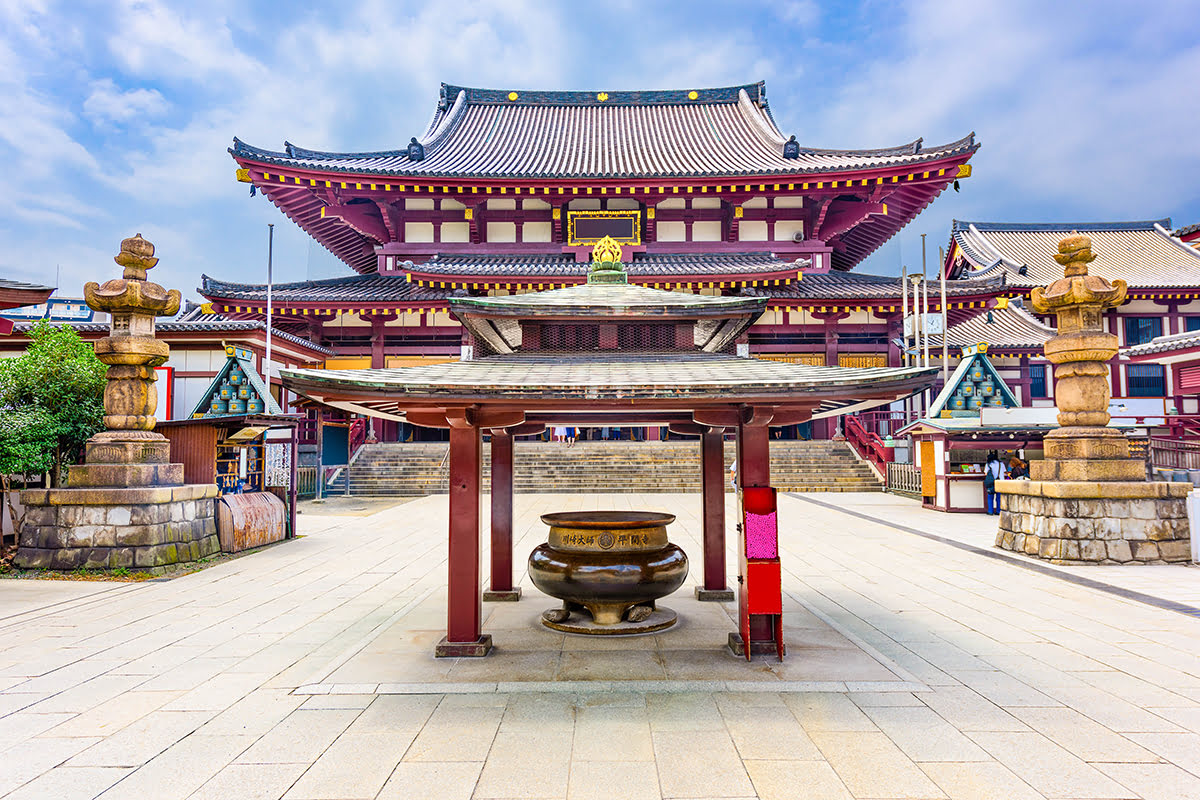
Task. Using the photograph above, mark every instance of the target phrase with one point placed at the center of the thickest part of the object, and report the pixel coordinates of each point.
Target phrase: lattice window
(1037, 381)
(862, 360)
(1146, 380)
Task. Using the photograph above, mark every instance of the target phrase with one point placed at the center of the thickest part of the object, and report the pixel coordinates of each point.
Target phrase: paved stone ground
(1020, 684)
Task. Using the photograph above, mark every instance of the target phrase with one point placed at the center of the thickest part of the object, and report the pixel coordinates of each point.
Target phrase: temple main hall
(507, 191)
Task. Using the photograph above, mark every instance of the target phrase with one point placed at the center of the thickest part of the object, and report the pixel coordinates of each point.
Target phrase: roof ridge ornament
(791, 148)
(416, 151)
(606, 263)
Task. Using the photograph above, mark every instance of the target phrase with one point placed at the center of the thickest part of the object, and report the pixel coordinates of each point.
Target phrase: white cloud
(108, 103)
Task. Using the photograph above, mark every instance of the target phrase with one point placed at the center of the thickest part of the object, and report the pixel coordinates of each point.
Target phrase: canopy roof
(1144, 254)
(573, 382)
(491, 133)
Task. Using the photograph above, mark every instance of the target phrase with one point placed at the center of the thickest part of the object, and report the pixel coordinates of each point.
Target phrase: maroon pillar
(464, 610)
(712, 482)
(754, 469)
(501, 585)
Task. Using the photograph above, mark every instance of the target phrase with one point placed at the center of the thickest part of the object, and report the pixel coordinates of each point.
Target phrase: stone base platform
(1077, 522)
(106, 528)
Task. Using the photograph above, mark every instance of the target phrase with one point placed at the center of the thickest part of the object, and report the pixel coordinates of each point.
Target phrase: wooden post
(501, 585)
(464, 611)
(712, 481)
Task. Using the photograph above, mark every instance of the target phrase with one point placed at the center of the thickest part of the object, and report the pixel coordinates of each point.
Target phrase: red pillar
(501, 585)
(464, 611)
(712, 481)
(754, 469)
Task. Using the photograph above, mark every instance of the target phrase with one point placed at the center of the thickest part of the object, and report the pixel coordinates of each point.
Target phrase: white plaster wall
(671, 232)
(789, 202)
(505, 204)
(752, 230)
(706, 231)
(535, 231)
(584, 204)
(786, 229)
(673, 202)
(623, 204)
(450, 204)
(706, 202)
(755, 202)
(418, 231)
(502, 232)
(418, 203)
(535, 205)
(456, 231)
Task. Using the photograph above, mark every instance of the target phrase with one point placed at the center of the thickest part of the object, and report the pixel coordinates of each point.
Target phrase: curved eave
(879, 161)
(378, 388)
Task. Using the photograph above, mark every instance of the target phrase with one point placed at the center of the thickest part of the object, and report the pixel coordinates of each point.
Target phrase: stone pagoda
(127, 505)
(1088, 500)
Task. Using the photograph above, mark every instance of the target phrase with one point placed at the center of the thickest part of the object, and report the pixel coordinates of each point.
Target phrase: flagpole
(270, 276)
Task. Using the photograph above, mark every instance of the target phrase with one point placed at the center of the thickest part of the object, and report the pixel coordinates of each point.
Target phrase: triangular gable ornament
(974, 385)
(237, 389)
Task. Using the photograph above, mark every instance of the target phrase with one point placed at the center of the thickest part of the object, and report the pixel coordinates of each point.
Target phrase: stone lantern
(1088, 501)
(127, 505)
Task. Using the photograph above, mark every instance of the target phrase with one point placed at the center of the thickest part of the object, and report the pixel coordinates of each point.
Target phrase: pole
(270, 259)
(945, 326)
(904, 311)
(904, 327)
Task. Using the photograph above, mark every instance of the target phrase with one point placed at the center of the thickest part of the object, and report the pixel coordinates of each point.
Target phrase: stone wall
(139, 528)
(1078, 530)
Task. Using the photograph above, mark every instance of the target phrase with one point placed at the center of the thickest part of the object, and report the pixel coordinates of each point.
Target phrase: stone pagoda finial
(1082, 448)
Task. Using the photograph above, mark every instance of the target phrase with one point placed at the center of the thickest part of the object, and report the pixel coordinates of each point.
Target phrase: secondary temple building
(507, 191)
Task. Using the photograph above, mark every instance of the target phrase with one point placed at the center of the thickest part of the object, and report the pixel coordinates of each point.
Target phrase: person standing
(992, 471)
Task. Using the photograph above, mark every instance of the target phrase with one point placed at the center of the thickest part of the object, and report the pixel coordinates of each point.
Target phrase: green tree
(51, 401)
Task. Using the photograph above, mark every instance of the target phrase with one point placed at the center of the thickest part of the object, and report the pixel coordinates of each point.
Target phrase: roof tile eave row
(247, 155)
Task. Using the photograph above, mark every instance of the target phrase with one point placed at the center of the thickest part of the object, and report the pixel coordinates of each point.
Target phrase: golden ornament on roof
(602, 96)
(693, 94)
(513, 95)
(606, 251)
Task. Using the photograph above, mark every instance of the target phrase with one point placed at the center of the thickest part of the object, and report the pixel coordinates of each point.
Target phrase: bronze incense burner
(611, 564)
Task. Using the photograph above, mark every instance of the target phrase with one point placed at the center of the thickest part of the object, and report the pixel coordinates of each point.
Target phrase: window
(1191, 324)
(1037, 381)
(1139, 330)
(1146, 380)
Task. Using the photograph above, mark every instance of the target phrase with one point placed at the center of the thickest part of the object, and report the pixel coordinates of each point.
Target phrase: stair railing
(868, 445)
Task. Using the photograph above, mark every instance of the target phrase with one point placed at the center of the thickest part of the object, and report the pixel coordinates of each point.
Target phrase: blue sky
(115, 116)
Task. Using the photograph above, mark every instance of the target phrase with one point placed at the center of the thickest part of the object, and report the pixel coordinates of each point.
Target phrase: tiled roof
(1164, 344)
(1188, 230)
(1144, 254)
(860, 286)
(564, 265)
(598, 376)
(350, 289)
(214, 323)
(482, 133)
(397, 289)
(21, 286)
(1001, 328)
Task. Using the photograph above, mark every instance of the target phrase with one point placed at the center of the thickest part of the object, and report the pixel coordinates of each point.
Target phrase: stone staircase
(417, 469)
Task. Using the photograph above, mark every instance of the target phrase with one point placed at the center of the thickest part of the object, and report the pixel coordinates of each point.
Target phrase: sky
(116, 116)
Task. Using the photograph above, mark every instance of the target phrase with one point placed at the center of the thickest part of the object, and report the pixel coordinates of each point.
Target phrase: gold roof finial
(606, 251)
